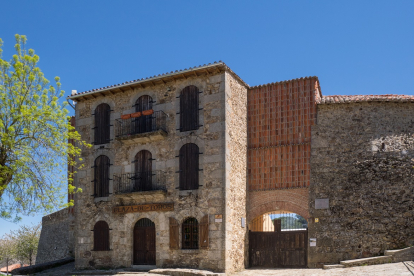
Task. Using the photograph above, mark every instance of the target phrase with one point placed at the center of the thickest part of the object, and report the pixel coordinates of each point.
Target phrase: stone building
(184, 164)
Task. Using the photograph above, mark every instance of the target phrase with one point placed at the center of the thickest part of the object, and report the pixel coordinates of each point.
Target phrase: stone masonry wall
(57, 237)
(362, 162)
(236, 175)
(207, 200)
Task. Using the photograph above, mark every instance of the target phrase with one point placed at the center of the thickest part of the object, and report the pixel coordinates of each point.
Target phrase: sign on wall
(322, 203)
(161, 207)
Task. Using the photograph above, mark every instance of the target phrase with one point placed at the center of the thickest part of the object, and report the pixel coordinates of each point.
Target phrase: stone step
(391, 252)
(333, 266)
(367, 261)
(184, 272)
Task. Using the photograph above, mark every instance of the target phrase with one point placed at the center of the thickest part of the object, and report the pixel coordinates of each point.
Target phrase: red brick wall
(280, 116)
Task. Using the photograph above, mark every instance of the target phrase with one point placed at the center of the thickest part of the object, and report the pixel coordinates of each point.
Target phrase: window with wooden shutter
(101, 180)
(188, 167)
(174, 234)
(101, 236)
(189, 110)
(102, 124)
(204, 232)
(143, 171)
(143, 123)
(190, 234)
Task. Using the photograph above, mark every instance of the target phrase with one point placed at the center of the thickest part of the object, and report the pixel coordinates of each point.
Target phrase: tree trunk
(5, 177)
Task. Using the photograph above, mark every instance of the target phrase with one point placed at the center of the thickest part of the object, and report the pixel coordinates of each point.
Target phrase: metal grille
(102, 124)
(101, 173)
(270, 221)
(101, 236)
(140, 181)
(190, 233)
(142, 124)
(189, 110)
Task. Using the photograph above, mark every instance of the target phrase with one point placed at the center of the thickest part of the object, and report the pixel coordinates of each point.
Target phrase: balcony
(139, 182)
(142, 129)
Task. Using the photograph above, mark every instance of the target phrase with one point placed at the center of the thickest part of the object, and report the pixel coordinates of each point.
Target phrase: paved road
(395, 269)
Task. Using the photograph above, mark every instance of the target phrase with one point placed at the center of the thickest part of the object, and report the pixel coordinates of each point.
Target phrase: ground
(394, 269)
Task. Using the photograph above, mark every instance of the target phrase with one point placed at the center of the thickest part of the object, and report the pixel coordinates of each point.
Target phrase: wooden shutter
(204, 232)
(188, 167)
(189, 112)
(143, 171)
(101, 236)
(143, 123)
(102, 124)
(101, 181)
(174, 234)
(143, 103)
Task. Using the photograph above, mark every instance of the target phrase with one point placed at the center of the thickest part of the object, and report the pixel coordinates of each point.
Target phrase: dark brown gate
(281, 248)
(144, 242)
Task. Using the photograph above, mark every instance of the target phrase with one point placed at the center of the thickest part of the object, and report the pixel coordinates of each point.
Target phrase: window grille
(190, 234)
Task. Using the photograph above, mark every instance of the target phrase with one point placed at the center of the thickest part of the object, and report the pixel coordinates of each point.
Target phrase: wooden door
(143, 123)
(278, 249)
(144, 242)
(143, 171)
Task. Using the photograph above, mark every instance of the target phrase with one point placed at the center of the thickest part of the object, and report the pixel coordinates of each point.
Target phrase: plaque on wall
(322, 203)
(160, 207)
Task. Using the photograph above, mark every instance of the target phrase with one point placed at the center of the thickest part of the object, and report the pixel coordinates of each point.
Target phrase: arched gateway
(278, 239)
(144, 242)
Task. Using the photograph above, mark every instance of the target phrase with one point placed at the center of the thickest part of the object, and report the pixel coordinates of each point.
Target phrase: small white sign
(312, 242)
(218, 218)
(243, 222)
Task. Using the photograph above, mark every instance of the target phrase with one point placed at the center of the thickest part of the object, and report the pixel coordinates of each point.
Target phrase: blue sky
(354, 47)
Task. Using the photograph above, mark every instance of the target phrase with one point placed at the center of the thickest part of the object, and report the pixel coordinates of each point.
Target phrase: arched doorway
(144, 242)
(278, 239)
(143, 171)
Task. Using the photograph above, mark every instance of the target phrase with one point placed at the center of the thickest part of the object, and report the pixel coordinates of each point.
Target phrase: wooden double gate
(278, 249)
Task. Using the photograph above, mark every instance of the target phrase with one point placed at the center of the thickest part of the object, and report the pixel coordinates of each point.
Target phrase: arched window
(189, 108)
(102, 124)
(101, 236)
(190, 234)
(143, 123)
(143, 171)
(188, 169)
(101, 180)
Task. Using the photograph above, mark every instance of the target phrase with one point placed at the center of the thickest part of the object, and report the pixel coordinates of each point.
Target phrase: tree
(34, 133)
(8, 250)
(26, 242)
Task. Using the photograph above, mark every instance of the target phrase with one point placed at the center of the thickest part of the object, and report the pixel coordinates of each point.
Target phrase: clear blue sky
(354, 47)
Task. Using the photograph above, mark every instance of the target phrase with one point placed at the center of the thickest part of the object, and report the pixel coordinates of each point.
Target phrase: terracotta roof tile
(285, 81)
(364, 98)
(158, 76)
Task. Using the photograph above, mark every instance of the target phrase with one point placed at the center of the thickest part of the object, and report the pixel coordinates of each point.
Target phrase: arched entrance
(144, 242)
(278, 239)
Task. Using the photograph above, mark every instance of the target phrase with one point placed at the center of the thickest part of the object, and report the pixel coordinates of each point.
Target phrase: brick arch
(291, 200)
(278, 206)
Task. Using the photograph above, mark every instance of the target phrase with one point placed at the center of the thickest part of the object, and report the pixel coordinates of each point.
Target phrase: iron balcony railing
(142, 124)
(139, 182)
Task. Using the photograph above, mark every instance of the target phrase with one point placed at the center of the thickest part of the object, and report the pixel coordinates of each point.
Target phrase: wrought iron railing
(139, 182)
(142, 124)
